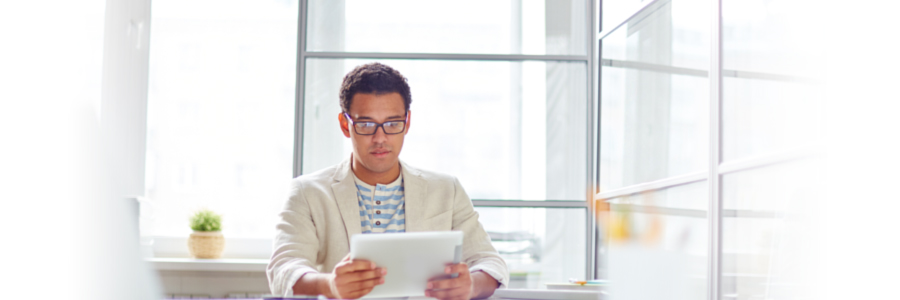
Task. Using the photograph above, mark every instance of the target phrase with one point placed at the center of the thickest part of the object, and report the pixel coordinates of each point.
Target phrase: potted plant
(207, 240)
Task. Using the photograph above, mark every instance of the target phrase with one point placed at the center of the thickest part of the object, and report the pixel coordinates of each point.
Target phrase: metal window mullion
(715, 150)
(645, 66)
(765, 160)
(447, 56)
(658, 210)
(299, 88)
(590, 255)
(670, 69)
(653, 185)
(597, 42)
(755, 214)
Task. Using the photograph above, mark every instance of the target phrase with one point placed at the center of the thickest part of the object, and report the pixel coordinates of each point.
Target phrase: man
(374, 192)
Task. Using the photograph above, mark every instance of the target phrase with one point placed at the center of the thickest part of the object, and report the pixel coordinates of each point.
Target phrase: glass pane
(772, 36)
(657, 239)
(771, 97)
(761, 116)
(615, 12)
(540, 245)
(654, 96)
(466, 26)
(767, 231)
(507, 130)
(220, 113)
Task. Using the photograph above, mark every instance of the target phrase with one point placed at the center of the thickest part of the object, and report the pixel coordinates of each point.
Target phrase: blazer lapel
(414, 191)
(344, 189)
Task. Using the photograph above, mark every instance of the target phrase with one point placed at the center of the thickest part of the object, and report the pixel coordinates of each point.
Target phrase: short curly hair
(373, 78)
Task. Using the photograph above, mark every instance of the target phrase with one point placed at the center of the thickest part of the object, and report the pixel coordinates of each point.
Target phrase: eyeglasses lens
(392, 127)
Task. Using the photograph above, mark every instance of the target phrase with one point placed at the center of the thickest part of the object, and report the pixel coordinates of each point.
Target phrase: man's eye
(365, 125)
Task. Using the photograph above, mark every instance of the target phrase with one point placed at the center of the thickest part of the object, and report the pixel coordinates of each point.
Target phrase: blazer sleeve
(478, 252)
(295, 245)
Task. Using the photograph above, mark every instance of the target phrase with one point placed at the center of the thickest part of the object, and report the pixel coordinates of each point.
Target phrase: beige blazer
(314, 229)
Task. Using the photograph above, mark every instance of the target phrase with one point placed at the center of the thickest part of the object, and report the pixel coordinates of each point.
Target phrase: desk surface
(547, 295)
(516, 294)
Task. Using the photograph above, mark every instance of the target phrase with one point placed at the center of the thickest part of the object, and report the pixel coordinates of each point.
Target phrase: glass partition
(655, 96)
(767, 232)
(771, 59)
(657, 238)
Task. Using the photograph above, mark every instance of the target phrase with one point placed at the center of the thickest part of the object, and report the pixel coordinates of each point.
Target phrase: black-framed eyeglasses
(369, 128)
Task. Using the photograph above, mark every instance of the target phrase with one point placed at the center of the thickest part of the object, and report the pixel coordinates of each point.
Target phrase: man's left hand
(460, 287)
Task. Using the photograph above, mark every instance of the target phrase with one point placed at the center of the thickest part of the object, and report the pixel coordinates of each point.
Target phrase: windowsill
(215, 265)
(239, 248)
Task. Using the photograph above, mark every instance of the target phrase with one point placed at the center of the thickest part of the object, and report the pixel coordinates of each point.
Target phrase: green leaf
(206, 220)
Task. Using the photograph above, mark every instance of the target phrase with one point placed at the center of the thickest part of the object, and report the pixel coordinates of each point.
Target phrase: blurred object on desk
(576, 287)
(580, 285)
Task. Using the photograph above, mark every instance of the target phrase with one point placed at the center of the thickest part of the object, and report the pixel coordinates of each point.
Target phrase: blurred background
(687, 149)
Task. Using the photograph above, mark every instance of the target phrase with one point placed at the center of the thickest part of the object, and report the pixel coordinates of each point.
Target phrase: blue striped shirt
(381, 207)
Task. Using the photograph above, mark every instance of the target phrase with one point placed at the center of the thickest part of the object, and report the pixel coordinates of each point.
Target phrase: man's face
(377, 153)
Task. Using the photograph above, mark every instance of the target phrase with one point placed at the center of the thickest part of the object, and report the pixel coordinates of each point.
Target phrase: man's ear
(345, 125)
(408, 121)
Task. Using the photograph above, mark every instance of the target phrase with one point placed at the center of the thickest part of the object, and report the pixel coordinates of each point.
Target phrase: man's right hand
(353, 279)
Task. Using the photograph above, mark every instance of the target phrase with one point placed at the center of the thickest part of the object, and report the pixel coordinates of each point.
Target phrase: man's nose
(380, 134)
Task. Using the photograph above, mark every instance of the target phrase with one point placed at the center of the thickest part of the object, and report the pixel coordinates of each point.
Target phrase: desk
(547, 295)
(520, 295)
(259, 265)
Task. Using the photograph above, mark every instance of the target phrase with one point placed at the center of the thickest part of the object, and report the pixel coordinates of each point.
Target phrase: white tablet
(411, 259)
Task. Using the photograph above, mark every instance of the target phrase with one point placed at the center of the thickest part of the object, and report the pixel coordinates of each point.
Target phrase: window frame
(250, 248)
(591, 19)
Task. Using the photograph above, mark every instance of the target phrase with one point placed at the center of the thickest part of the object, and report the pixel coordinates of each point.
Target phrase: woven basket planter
(206, 244)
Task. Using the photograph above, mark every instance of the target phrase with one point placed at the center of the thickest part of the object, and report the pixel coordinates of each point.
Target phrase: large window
(244, 96)
(500, 100)
(220, 114)
(707, 131)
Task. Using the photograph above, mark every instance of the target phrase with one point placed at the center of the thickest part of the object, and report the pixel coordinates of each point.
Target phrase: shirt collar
(394, 183)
